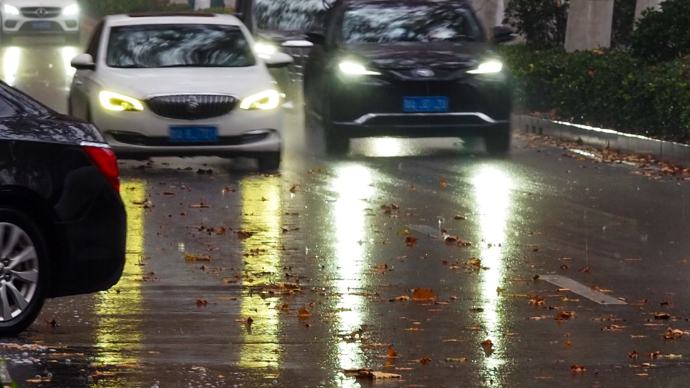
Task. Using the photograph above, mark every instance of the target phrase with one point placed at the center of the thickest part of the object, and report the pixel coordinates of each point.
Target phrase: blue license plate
(193, 134)
(40, 25)
(425, 104)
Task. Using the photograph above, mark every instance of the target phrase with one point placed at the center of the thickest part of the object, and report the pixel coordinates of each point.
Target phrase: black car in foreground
(407, 68)
(62, 222)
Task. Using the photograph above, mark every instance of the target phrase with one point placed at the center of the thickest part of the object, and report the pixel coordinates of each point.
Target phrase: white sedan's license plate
(194, 134)
(40, 25)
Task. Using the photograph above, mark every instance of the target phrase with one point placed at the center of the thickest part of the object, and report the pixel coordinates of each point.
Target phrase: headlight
(353, 68)
(71, 10)
(11, 10)
(264, 48)
(268, 99)
(488, 67)
(118, 103)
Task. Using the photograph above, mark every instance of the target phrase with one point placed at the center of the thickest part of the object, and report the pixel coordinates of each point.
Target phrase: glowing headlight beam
(11, 10)
(71, 10)
(266, 100)
(264, 49)
(488, 68)
(118, 102)
(353, 68)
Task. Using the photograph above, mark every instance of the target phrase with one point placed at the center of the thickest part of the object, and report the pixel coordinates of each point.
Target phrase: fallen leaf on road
(536, 300)
(381, 267)
(303, 312)
(200, 205)
(666, 303)
(392, 353)
(460, 218)
(458, 359)
(410, 241)
(228, 190)
(371, 374)
(653, 354)
(443, 183)
(633, 355)
(200, 302)
(244, 234)
(577, 368)
(425, 361)
(586, 269)
(661, 316)
(293, 189)
(402, 298)
(191, 257)
(452, 240)
(564, 315)
(168, 193)
(422, 294)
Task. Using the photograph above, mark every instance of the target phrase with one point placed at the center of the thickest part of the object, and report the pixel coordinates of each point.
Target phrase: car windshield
(157, 46)
(381, 23)
(290, 15)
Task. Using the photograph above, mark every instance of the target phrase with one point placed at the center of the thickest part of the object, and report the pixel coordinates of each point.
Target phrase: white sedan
(39, 17)
(182, 85)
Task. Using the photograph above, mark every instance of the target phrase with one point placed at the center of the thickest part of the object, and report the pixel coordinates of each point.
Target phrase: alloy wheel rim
(18, 271)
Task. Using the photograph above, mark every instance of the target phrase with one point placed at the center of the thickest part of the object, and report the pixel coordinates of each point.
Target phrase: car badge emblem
(426, 73)
(192, 104)
(41, 12)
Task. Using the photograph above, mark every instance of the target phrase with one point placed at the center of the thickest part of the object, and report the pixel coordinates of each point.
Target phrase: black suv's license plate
(425, 104)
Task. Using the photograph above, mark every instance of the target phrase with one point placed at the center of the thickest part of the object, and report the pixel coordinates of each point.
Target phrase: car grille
(41, 12)
(192, 107)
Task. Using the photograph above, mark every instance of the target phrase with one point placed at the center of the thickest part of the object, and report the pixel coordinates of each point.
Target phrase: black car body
(59, 198)
(407, 68)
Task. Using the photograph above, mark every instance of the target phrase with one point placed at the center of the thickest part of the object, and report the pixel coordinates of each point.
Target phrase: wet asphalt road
(318, 238)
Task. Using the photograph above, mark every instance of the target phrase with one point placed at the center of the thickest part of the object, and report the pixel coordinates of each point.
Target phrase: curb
(661, 150)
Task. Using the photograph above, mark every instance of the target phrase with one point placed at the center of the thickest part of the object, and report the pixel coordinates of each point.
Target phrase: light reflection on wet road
(524, 217)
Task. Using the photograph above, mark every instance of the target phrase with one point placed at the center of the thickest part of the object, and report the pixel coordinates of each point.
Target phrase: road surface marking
(581, 289)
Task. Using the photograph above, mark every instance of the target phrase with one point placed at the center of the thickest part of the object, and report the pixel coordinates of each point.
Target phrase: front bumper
(24, 25)
(476, 106)
(144, 134)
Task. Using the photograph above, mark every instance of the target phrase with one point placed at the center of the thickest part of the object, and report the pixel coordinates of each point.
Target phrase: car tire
(22, 297)
(269, 161)
(498, 143)
(73, 39)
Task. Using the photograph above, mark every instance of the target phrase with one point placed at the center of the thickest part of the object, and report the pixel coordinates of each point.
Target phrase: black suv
(407, 68)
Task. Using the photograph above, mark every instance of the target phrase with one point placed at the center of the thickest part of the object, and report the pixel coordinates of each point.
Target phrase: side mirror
(83, 62)
(277, 60)
(316, 38)
(503, 34)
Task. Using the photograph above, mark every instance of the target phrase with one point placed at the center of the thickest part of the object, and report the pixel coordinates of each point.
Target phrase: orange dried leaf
(422, 294)
(392, 353)
(410, 241)
(577, 368)
(303, 312)
(425, 361)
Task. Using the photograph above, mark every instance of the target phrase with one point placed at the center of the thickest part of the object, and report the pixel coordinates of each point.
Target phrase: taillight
(104, 158)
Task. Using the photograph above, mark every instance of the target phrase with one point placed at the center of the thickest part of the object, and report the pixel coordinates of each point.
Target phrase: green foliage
(663, 34)
(541, 22)
(608, 88)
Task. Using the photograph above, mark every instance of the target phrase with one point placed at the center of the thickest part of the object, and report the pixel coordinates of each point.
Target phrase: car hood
(416, 55)
(40, 3)
(144, 83)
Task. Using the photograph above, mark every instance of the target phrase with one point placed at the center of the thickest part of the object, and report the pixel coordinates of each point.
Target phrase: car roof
(171, 18)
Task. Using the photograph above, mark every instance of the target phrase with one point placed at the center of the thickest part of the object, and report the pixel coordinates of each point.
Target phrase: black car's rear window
(390, 22)
(290, 15)
(178, 45)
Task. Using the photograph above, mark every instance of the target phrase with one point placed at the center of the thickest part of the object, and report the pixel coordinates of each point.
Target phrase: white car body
(40, 17)
(251, 133)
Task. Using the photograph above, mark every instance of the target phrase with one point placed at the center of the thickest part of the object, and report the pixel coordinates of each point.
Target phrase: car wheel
(498, 143)
(269, 161)
(24, 272)
(73, 39)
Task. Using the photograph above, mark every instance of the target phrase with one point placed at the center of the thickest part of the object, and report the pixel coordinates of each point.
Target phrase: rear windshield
(180, 45)
(290, 15)
(389, 22)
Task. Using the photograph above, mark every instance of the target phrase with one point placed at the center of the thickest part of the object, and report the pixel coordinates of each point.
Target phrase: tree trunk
(589, 25)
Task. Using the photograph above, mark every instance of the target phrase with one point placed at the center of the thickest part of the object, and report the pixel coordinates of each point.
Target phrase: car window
(94, 44)
(291, 15)
(180, 45)
(7, 109)
(390, 22)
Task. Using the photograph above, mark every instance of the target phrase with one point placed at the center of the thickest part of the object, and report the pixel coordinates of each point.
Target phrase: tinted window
(181, 45)
(390, 22)
(291, 15)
